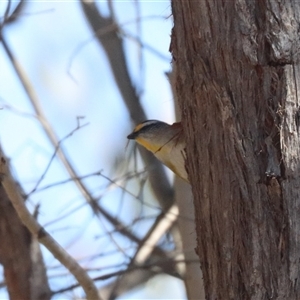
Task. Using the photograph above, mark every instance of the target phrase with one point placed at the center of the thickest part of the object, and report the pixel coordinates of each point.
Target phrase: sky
(71, 78)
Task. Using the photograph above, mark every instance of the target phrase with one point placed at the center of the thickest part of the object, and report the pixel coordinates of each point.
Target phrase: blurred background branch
(112, 215)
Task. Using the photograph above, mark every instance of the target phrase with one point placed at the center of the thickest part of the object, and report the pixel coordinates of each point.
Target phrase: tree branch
(42, 235)
(112, 44)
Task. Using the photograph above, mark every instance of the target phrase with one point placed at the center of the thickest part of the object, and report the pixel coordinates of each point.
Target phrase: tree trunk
(20, 254)
(237, 82)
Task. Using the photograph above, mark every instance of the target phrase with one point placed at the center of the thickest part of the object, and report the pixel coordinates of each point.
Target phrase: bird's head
(153, 134)
(165, 141)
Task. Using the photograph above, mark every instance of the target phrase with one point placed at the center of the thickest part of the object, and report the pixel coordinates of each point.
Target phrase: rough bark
(14, 250)
(23, 265)
(237, 84)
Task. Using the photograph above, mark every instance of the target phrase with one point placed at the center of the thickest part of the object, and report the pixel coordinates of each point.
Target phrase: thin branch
(110, 28)
(112, 43)
(15, 14)
(46, 125)
(53, 156)
(51, 185)
(41, 234)
(146, 46)
(162, 224)
(6, 13)
(150, 266)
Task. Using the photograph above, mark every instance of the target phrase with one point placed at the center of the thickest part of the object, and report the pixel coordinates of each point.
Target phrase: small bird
(165, 141)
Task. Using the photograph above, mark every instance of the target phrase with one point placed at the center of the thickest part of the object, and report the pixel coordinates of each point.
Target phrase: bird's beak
(132, 136)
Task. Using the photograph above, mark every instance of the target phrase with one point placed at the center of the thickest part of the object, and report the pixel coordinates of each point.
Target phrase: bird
(165, 141)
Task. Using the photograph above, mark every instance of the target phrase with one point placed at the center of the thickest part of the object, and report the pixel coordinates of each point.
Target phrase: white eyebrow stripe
(150, 122)
(144, 124)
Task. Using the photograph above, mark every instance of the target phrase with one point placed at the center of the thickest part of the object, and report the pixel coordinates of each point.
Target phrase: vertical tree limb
(112, 44)
(238, 86)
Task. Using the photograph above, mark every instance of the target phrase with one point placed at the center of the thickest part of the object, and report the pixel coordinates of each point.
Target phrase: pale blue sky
(51, 41)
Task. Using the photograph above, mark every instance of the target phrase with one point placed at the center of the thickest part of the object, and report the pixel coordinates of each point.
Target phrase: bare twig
(110, 28)
(149, 266)
(53, 156)
(51, 185)
(10, 18)
(146, 46)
